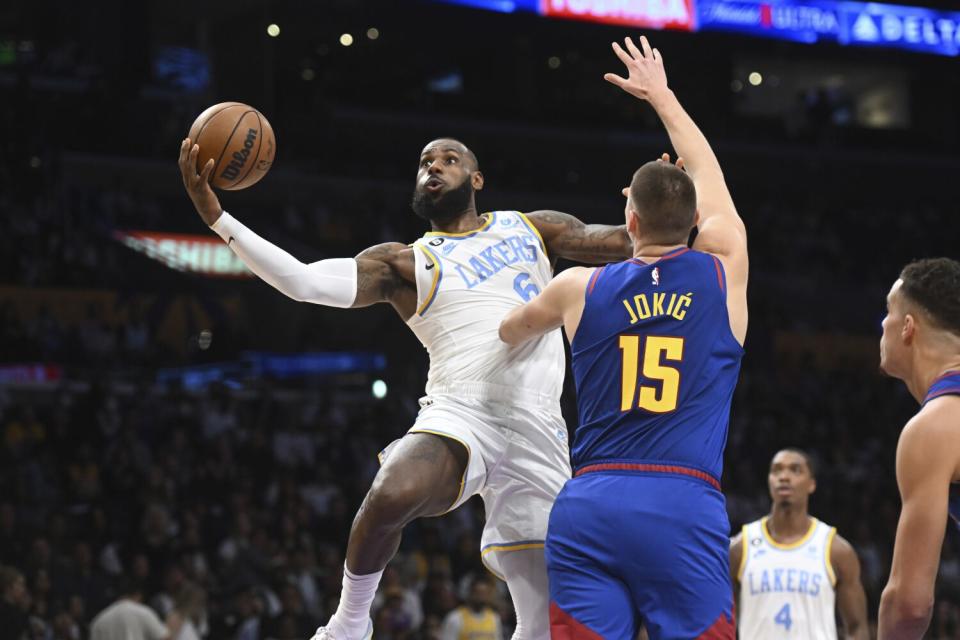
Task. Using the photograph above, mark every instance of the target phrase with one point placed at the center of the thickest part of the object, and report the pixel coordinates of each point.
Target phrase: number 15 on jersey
(656, 350)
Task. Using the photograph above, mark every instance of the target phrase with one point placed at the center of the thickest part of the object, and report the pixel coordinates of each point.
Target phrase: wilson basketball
(240, 141)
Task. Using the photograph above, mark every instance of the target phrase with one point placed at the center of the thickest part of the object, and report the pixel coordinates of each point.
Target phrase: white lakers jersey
(466, 285)
(787, 591)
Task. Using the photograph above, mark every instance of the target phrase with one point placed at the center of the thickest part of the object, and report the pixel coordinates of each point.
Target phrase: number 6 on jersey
(656, 348)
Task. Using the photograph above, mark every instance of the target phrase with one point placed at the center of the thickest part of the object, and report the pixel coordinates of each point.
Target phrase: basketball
(239, 139)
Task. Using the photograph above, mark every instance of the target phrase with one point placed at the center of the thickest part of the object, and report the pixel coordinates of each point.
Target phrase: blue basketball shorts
(640, 545)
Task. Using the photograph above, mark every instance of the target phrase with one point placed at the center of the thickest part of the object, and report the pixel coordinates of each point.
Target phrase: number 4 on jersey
(656, 349)
(783, 617)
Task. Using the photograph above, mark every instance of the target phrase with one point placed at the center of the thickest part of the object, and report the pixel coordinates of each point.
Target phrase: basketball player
(490, 423)
(640, 532)
(921, 346)
(794, 566)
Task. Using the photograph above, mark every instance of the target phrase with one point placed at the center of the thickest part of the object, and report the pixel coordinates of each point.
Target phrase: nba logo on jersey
(655, 274)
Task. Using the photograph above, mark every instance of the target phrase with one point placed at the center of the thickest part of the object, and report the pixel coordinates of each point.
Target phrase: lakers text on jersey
(787, 590)
(466, 284)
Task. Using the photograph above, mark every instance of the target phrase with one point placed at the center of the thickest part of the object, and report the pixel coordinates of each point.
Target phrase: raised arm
(383, 273)
(851, 599)
(560, 304)
(565, 236)
(925, 467)
(720, 229)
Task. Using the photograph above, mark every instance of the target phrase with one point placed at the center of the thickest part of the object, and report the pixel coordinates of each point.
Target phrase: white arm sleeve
(331, 282)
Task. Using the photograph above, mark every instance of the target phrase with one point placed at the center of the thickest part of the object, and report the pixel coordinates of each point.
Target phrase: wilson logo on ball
(232, 170)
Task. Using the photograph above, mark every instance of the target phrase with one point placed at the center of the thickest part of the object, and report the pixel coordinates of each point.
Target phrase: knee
(394, 500)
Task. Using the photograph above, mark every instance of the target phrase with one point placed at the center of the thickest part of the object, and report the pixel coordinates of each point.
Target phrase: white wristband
(331, 282)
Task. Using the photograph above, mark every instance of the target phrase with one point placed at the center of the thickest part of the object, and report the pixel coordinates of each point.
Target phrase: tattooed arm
(385, 273)
(567, 237)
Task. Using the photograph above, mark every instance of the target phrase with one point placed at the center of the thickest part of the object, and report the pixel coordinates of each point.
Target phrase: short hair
(807, 457)
(934, 285)
(665, 201)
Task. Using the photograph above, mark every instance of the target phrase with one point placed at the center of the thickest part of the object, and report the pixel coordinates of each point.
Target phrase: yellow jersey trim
(512, 547)
(827, 548)
(533, 227)
(463, 478)
(793, 545)
(490, 218)
(744, 551)
(435, 285)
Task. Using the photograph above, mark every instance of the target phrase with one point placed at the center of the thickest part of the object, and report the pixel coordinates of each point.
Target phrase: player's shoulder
(839, 545)
(394, 254)
(943, 409)
(573, 280)
(936, 424)
(929, 444)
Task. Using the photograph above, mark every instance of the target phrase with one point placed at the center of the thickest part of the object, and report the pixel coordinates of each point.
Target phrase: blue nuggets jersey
(945, 385)
(656, 363)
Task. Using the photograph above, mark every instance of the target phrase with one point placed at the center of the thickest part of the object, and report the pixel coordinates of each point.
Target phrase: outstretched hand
(198, 184)
(646, 77)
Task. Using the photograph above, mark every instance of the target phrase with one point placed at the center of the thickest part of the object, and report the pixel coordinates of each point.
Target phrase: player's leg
(678, 566)
(422, 476)
(525, 571)
(519, 495)
(586, 601)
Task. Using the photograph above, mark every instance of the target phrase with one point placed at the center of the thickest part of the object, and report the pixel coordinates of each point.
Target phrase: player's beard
(446, 206)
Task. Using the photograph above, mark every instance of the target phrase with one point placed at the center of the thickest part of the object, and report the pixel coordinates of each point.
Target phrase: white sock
(353, 613)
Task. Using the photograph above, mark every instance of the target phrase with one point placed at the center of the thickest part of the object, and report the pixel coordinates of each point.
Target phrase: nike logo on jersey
(229, 241)
(430, 266)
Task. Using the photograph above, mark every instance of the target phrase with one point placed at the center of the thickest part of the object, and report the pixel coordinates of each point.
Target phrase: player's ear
(696, 218)
(813, 486)
(476, 179)
(631, 217)
(909, 329)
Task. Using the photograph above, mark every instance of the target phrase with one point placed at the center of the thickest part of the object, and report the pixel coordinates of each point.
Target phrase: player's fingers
(665, 157)
(623, 55)
(207, 170)
(657, 56)
(680, 162)
(647, 51)
(184, 150)
(613, 78)
(632, 48)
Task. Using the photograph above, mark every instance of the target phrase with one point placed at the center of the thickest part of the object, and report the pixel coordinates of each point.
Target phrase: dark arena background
(168, 420)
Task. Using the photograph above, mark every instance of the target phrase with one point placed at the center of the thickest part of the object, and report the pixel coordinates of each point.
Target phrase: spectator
(14, 604)
(475, 620)
(191, 604)
(128, 619)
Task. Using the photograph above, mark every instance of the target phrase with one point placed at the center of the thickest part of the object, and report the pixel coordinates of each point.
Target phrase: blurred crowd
(228, 510)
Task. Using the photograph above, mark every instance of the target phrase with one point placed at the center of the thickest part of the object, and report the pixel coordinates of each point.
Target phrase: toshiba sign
(653, 14)
(186, 252)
